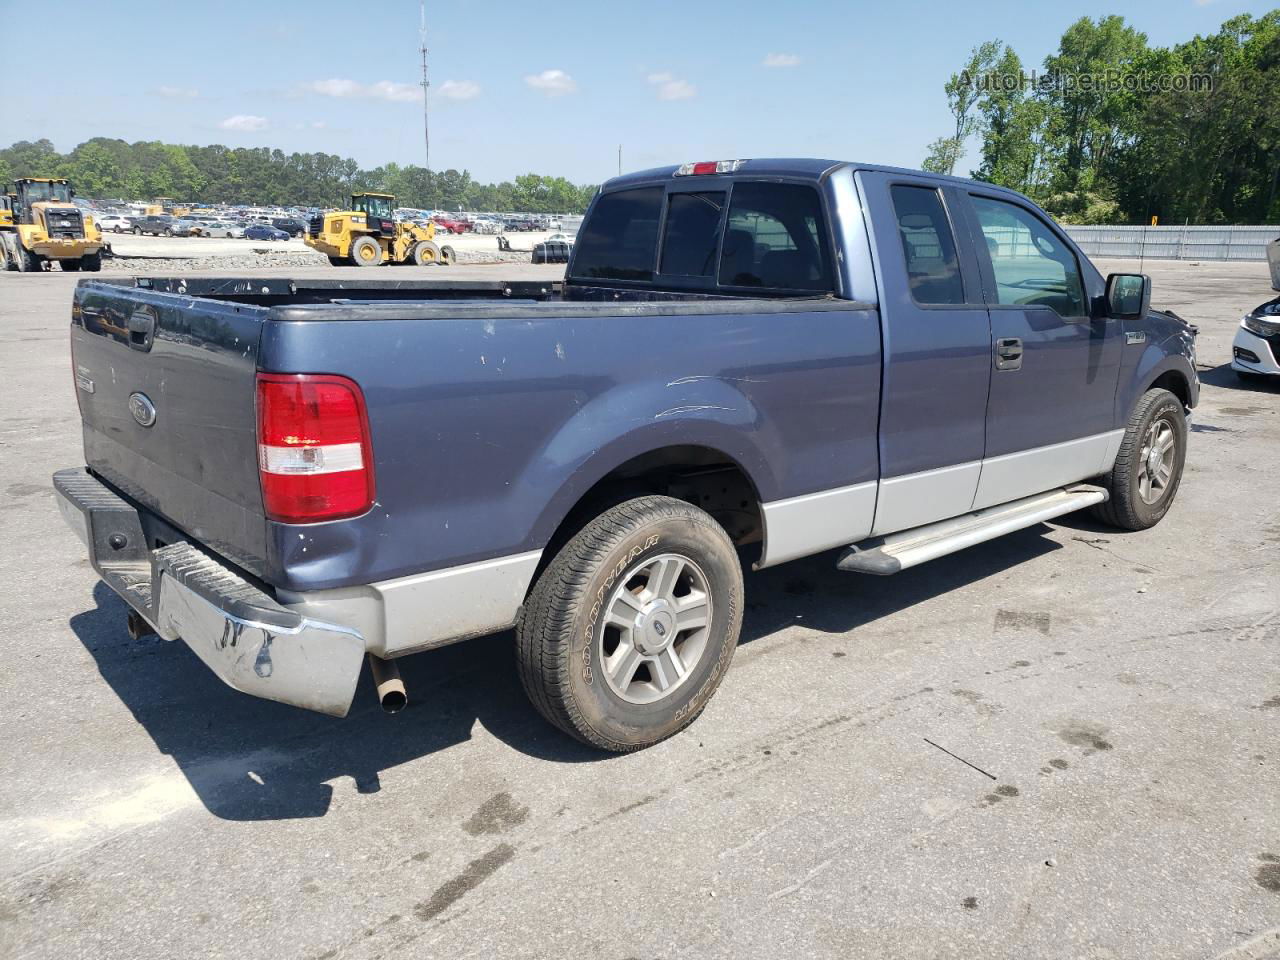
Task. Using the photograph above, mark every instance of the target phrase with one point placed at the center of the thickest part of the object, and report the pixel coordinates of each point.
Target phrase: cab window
(933, 272)
(1032, 266)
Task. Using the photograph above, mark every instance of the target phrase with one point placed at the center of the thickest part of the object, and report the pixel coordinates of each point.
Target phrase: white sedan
(222, 228)
(113, 222)
(1256, 350)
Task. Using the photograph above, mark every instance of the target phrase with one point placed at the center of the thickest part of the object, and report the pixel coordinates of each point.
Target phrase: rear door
(937, 350)
(166, 387)
(1054, 363)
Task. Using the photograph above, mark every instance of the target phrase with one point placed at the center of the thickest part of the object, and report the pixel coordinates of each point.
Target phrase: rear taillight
(314, 454)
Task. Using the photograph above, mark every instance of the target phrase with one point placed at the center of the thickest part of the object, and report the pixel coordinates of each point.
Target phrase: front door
(936, 352)
(1054, 364)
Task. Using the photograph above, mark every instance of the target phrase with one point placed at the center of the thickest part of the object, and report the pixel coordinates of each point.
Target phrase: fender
(702, 412)
(1155, 361)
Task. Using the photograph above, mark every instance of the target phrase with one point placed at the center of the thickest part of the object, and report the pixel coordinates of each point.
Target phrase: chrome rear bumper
(240, 633)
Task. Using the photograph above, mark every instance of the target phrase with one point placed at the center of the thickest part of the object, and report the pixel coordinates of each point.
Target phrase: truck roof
(796, 167)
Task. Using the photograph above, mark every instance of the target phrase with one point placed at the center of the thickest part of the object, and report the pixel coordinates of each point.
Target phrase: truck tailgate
(166, 391)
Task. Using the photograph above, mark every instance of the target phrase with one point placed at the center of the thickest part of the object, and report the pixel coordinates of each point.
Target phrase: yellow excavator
(40, 225)
(367, 235)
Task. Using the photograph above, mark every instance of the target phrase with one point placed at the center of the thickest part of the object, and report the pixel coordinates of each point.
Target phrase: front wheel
(91, 262)
(425, 253)
(630, 629)
(1148, 468)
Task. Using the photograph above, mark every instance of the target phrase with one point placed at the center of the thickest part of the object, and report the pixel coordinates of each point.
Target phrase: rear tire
(91, 262)
(447, 257)
(623, 684)
(1148, 468)
(365, 252)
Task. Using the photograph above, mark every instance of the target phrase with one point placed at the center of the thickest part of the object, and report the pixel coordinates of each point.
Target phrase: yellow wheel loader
(367, 235)
(42, 226)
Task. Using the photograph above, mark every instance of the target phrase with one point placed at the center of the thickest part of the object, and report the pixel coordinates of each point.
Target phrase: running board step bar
(885, 555)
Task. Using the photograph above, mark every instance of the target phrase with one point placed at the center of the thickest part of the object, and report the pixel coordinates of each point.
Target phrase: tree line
(113, 169)
(1114, 130)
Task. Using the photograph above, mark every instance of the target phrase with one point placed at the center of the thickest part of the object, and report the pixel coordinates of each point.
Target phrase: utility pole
(426, 126)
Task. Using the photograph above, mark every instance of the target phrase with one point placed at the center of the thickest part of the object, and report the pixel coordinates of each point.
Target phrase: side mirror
(1128, 295)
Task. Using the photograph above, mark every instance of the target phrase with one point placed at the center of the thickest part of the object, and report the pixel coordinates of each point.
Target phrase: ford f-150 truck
(747, 362)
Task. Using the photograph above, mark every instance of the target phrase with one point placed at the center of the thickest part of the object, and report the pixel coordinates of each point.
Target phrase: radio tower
(426, 127)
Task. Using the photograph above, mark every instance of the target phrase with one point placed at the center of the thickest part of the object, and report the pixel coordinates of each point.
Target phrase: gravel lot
(147, 254)
(1123, 690)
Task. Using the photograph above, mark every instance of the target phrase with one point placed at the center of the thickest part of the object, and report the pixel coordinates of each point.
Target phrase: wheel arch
(704, 472)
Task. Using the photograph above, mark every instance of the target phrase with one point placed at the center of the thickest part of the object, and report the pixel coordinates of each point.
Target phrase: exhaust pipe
(387, 682)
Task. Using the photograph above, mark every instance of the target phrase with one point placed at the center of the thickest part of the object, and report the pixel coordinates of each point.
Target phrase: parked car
(294, 228)
(156, 225)
(837, 355)
(1255, 353)
(560, 238)
(184, 227)
(115, 222)
(450, 225)
(264, 231)
(485, 225)
(223, 228)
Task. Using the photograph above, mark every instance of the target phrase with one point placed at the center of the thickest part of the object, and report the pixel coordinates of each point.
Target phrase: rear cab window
(743, 237)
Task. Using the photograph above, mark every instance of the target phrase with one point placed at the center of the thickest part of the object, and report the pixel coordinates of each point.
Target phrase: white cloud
(382, 90)
(244, 122)
(458, 90)
(780, 60)
(554, 83)
(671, 88)
(178, 93)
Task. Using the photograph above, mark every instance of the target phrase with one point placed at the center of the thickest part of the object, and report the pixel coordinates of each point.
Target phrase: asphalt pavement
(1061, 744)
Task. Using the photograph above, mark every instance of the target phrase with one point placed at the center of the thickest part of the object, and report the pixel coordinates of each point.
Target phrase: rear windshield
(772, 240)
(619, 241)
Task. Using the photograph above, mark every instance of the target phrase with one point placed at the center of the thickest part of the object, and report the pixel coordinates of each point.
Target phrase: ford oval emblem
(143, 410)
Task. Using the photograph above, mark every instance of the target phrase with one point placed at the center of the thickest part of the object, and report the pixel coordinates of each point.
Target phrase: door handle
(1008, 353)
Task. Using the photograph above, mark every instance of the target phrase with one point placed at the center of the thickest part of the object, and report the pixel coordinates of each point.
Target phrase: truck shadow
(1224, 376)
(249, 759)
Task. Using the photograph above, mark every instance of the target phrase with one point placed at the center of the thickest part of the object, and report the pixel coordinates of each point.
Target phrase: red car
(453, 226)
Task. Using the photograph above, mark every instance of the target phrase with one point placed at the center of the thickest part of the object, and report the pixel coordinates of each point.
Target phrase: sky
(543, 87)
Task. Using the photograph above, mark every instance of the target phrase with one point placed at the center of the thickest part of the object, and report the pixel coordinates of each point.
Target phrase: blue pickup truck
(746, 362)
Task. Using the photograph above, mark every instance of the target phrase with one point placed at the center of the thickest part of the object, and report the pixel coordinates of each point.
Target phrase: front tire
(91, 262)
(1148, 468)
(425, 254)
(27, 261)
(630, 629)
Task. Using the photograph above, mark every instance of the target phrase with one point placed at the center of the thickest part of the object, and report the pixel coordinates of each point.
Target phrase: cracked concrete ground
(1062, 744)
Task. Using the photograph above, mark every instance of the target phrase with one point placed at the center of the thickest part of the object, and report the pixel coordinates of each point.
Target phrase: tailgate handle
(142, 329)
